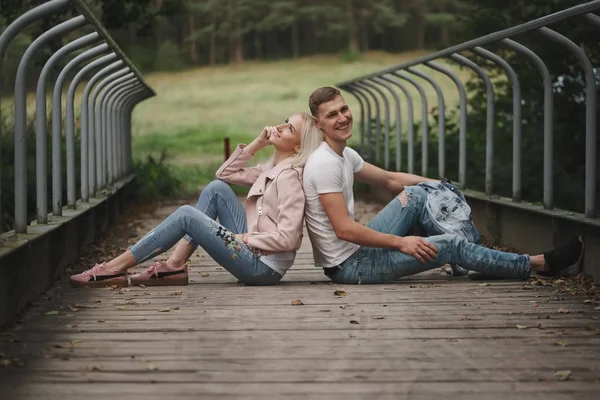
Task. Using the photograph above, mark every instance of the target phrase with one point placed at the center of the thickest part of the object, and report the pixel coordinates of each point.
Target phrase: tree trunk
(365, 37)
(232, 32)
(257, 46)
(239, 43)
(444, 34)
(158, 37)
(192, 32)
(352, 30)
(295, 40)
(213, 47)
(420, 20)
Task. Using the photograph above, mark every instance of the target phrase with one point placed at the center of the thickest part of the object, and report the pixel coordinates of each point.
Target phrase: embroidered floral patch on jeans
(229, 241)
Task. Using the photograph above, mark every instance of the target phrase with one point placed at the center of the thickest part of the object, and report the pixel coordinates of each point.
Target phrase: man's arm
(392, 181)
(351, 231)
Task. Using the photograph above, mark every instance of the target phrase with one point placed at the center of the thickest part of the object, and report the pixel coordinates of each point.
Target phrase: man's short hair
(320, 96)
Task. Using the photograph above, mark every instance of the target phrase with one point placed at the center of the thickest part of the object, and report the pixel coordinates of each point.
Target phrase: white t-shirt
(326, 172)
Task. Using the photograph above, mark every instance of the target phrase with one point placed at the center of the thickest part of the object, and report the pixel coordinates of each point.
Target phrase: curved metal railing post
(118, 128)
(57, 129)
(491, 110)
(94, 124)
(462, 125)
(410, 122)
(361, 91)
(362, 113)
(20, 121)
(590, 117)
(368, 90)
(398, 124)
(40, 109)
(127, 125)
(386, 154)
(101, 124)
(441, 120)
(424, 121)
(88, 148)
(70, 128)
(108, 131)
(517, 117)
(548, 121)
(11, 31)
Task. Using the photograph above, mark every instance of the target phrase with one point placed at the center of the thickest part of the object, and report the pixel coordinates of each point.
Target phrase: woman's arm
(234, 170)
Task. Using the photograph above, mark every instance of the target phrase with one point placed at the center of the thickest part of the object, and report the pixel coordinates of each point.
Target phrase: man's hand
(417, 247)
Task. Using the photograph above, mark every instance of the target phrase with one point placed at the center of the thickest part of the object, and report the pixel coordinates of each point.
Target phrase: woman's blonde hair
(311, 138)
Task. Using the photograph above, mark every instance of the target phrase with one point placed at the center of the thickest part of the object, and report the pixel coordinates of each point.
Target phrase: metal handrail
(456, 54)
(97, 120)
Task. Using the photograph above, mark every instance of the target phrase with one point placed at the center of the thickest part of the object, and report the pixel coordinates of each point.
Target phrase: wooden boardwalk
(425, 337)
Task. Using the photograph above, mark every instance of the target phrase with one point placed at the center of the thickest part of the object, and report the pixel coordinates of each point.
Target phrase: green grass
(196, 109)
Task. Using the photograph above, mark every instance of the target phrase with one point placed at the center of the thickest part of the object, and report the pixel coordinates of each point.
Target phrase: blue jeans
(375, 265)
(199, 226)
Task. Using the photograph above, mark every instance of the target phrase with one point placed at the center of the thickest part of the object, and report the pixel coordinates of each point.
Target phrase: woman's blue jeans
(199, 226)
(376, 265)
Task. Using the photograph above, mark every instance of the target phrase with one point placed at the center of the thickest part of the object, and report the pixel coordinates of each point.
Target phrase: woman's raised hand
(261, 140)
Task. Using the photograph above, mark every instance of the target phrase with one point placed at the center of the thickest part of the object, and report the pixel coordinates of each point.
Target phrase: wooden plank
(419, 337)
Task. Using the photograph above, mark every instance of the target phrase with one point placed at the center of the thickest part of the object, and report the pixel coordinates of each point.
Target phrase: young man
(380, 252)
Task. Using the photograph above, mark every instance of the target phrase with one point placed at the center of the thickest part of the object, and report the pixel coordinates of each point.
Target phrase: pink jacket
(275, 204)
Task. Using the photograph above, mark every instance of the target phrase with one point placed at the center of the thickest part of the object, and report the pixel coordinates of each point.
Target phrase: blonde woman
(257, 245)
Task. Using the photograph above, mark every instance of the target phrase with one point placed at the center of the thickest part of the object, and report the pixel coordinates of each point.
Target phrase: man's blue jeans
(376, 265)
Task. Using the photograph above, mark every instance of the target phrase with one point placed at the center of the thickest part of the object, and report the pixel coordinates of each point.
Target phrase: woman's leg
(217, 201)
(218, 242)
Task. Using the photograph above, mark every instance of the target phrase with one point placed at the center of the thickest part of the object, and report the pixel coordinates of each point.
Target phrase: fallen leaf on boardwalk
(151, 367)
(340, 293)
(122, 308)
(379, 317)
(164, 310)
(562, 375)
(476, 292)
(204, 274)
(52, 312)
(353, 321)
(5, 362)
(74, 343)
(178, 293)
(521, 326)
(588, 301)
(465, 318)
(112, 287)
(562, 344)
(590, 327)
(596, 308)
(484, 284)
(528, 287)
(92, 369)
(563, 310)
(344, 306)
(297, 303)
(68, 315)
(101, 320)
(72, 308)
(558, 282)
(142, 286)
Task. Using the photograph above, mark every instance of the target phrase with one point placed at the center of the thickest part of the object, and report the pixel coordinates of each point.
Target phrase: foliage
(154, 179)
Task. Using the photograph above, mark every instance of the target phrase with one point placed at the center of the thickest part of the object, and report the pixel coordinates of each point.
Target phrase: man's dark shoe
(559, 260)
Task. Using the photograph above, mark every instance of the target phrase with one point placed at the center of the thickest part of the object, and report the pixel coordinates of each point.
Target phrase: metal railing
(106, 107)
(363, 89)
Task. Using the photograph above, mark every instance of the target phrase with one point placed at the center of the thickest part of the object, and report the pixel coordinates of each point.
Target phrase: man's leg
(217, 200)
(401, 214)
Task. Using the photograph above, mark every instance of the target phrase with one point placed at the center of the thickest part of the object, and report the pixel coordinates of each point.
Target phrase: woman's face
(287, 136)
